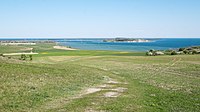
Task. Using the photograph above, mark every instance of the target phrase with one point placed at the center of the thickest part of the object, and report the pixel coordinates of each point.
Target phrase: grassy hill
(59, 80)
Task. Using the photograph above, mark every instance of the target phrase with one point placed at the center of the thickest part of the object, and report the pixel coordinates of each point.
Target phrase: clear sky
(100, 18)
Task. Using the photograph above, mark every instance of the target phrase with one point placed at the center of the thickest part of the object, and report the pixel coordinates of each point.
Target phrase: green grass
(161, 83)
(89, 53)
(11, 49)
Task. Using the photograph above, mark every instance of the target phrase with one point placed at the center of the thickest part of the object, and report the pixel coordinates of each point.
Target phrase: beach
(63, 48)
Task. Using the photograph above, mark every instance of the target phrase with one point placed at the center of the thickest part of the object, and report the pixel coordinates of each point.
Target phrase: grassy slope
(163, 83)
(152, 87)
(11, 49)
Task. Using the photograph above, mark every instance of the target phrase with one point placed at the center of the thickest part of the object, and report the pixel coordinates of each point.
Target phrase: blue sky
(100, 18)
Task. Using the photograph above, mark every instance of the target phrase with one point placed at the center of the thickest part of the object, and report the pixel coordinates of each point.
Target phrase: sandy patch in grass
(63, 48)
(92, 110)
(106, 86)
(92, 90)
(111, 94)
(110, 89)
(119, 89)
(113, 82)
(114, 92)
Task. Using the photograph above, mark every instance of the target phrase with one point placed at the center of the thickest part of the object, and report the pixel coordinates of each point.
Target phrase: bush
(189, 49)
(186, 51)
(23, 57)
(181, 49)
(167, 53)
(194, 52)
(31, 57)
(195, 47)
(173, 53)
(152, 50)
(168, 50)
(149, 53)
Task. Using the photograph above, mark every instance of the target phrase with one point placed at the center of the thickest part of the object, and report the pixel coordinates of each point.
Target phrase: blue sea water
(98, 44)
(157, 44)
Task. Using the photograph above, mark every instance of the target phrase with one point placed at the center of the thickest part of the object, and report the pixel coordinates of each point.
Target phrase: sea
(99, 44)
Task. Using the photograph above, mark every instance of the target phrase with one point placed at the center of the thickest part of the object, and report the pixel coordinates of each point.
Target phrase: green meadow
(98, 81)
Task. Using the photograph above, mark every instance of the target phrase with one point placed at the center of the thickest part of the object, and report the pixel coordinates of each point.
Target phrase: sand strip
(63, 48)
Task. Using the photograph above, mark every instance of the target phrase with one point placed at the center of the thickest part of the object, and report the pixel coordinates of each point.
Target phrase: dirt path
(14, 54)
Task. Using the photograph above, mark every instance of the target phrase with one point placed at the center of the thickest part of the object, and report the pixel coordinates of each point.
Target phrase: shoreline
(64, 48)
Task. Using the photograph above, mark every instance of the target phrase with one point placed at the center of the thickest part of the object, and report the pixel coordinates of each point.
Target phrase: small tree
(31, 57)
(181, 49)
(149, 53)
(33, 50)
(194, 52)
(152, 50)
(173, 53)
(23, 57)
(186, 51)
(154, 53)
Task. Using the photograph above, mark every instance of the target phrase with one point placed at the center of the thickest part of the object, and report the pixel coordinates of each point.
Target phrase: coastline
(129, 40)
(64, 48)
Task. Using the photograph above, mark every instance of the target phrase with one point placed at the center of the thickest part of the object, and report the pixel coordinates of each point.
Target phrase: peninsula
(127, 40)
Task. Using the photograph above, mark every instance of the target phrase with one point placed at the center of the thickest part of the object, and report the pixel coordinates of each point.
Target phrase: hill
(60, 80)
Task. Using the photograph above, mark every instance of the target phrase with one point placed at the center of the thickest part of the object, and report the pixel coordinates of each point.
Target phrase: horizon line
(84, 37)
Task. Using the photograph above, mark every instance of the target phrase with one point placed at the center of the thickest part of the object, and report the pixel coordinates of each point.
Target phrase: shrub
(194, 52)
(23, 57)
(31, 57)
(167, 53)
(173, 53)
(186, 51)
(190, 49)
(149, 53)
(190, 52)
(195, 47)
(168, 50)
(152, 50)
(181, 49)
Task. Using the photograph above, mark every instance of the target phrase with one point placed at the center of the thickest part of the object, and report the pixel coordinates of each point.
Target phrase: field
(98, 81)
